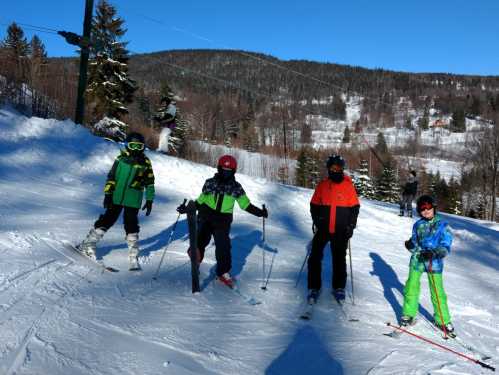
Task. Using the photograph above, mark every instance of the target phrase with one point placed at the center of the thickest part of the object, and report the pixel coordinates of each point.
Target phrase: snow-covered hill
(61, 316)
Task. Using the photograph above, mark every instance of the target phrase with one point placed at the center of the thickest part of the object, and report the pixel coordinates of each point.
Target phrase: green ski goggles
(135, 146)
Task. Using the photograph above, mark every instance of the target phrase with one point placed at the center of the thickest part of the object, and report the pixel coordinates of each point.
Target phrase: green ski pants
(411, 296)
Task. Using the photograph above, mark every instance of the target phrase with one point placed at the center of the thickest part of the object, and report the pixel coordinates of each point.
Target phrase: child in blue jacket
(430, 243)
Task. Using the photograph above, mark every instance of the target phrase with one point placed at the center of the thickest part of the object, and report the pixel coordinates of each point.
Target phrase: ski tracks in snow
(32, 295)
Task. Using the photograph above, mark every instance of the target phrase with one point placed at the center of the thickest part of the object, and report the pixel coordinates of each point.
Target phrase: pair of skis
(99, 264)
(399, 330)
(309, 310)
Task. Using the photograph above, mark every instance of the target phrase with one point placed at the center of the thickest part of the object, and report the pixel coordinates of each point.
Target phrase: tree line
(252, 101)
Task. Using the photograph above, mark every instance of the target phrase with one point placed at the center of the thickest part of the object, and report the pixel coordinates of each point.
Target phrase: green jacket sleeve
(149, 181)
(111, 178)
(243, 201)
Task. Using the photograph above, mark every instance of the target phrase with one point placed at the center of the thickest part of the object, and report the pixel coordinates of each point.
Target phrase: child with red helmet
(215, 207)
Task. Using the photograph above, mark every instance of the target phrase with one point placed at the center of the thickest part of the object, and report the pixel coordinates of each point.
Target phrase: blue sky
(454, 36)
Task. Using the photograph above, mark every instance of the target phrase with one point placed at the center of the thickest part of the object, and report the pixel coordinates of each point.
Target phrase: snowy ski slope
(59, 315)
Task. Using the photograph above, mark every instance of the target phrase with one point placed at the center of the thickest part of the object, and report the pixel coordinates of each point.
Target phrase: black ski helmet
(335, 160)
(135, 137)
(425, 201)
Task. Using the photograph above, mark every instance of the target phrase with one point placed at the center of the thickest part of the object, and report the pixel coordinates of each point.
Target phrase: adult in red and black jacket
(334, 208)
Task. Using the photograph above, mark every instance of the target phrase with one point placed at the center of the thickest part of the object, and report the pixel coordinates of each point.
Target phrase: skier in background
(334, 208)
(430, 243)
(215, 206)
(130, 174)
(409, 192)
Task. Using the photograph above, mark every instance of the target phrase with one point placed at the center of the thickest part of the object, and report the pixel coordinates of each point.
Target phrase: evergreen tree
(339, 107)
(38, 76)
(37, 49)
(110, 88)
(180, 134)
(381, 148)
(301, 173)
(475, 106)
(249, 135)
(481, 207)
(424, 122)
(15, 43)
(458, 122)
(363, 182)
(387, 189)
(346, 135)
(314, 168)
(16, 49)
(442, 194)
(455, 201)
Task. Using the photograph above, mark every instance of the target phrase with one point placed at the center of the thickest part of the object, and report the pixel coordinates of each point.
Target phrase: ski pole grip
(486, 366)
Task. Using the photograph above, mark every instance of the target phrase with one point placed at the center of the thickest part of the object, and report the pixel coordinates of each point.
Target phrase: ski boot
(313, 296)
(227, 280)
(89, 244)
(407, 321)
(133, 251)
(449, 329)
(401, 213)
(339, 294)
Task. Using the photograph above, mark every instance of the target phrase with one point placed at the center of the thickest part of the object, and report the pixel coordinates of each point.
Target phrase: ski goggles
(425, 206)
(336, 168)
(135, 146)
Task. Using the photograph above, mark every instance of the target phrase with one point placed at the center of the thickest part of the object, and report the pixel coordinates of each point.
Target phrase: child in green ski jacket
(130, 174)
(430, 242)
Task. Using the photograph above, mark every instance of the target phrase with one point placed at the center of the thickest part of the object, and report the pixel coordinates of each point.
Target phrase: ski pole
(264, 286)
(478, 362)
(438, 299)
(351, 271)
(155, 277)
(309, 249)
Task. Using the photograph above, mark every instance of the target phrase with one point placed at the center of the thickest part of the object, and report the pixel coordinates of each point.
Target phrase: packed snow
(62, 315)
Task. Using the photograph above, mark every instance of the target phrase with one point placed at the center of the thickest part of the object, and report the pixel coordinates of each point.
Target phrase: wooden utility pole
(84, 54)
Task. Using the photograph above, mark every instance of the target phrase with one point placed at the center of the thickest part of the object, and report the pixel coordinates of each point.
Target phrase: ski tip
(111, 269)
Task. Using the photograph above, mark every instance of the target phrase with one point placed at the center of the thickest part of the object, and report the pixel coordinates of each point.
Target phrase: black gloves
(108, 201)
(182, 209)
(265, 213)
(425, 255)
(147, 207)
(409, 245)
(260, 212)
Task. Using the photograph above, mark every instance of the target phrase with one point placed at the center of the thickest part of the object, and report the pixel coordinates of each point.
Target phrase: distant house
(439, 123)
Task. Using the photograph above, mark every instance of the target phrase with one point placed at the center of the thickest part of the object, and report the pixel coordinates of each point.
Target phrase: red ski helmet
(425, 202)
(227, 162)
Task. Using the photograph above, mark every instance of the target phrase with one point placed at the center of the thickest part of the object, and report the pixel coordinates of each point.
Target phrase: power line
(26, 26)
(251, 56)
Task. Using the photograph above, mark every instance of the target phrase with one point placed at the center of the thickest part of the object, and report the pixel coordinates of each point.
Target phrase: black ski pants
(406, 203)
(130, 218)
(339, 243)
(220, 231)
